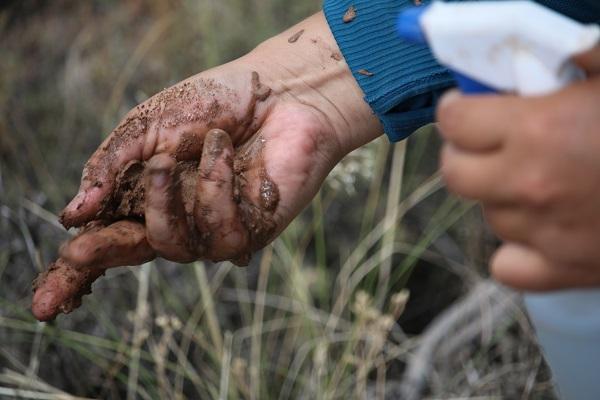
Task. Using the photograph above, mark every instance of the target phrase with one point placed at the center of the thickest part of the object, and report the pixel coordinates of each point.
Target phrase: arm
(288, 112)
(296, 94)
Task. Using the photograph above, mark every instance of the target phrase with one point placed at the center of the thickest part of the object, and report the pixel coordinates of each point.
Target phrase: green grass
(321, 313)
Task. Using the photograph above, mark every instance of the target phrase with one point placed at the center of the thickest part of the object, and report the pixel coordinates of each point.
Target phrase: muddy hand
(223, 212)
(173, 122)
(292, 110)
(167, 193)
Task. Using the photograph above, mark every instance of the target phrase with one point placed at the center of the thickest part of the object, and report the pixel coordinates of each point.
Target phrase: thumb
(524, 268)
(124, 144)
(589, 60)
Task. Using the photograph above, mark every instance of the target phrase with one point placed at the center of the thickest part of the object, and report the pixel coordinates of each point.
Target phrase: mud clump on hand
(129, 197)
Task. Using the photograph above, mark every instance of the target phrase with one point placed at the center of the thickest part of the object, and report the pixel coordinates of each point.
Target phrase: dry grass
(322, 313)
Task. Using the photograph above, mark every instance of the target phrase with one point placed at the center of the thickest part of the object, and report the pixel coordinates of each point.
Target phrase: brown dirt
(294, 38)
(257, 219)
(350, 15)
(365, 72)
(128, 198)
(190, 145)
(60, 288)
(184, 103)
(336, 56)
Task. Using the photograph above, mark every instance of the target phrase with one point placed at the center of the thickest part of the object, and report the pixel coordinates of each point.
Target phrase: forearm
(311, 69)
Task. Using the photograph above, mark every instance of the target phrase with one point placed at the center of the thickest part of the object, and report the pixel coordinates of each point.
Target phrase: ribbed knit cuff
(401, 81)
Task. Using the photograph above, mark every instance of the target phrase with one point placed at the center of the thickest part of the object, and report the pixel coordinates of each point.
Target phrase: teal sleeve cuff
(401, 81)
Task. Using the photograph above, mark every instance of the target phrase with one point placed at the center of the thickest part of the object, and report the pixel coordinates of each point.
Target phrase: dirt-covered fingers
(121, 243)
(256, 193)
(167, 220)
(125, 143)
(216, 210)
(83, 260)
(60, 288)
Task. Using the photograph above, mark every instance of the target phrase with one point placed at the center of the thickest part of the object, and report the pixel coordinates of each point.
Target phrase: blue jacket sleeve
(401, 81)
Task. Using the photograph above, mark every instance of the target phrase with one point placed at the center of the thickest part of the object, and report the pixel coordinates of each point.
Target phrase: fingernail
(159, 178)
(215, 142)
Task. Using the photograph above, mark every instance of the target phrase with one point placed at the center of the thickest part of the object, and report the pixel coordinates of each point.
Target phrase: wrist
(304, 64)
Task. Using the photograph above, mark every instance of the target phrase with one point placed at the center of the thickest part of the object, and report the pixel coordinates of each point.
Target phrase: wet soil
(194, 100)
(128, 198)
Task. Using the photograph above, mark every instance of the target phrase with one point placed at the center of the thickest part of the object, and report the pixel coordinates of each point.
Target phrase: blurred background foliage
(333, 309)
